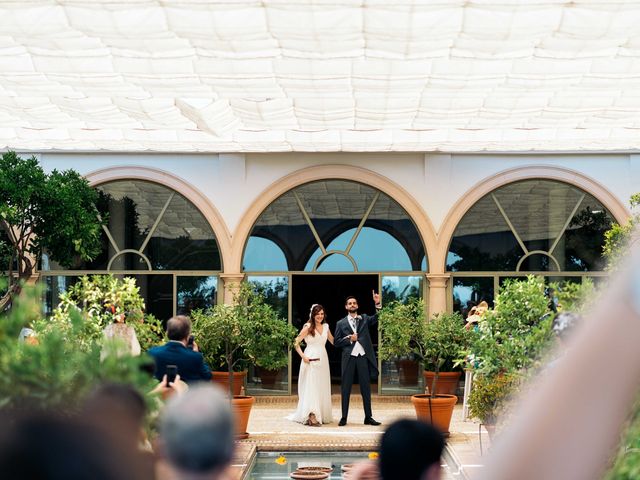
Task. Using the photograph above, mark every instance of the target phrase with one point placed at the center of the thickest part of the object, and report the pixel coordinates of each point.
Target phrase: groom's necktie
(358, 348)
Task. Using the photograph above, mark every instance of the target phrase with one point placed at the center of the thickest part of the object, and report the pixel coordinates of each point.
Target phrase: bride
(314, 380)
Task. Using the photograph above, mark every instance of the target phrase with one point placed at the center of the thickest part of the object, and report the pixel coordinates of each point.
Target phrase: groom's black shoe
(342, 422)
(371, 421)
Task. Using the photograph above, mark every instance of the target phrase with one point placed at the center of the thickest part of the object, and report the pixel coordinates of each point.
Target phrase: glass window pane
(264, 255)
(389, 217)
(367, 252)
(157, 291)
(195, 293)
(156, 221)
(283, 223)
(335, 206)
(401, 376)
(483, 242)
(563, 222)
(401, 288)
(470, 291)
(334, 210)
(335, 262)
(54, 287)
(538, 262)
(276, 292)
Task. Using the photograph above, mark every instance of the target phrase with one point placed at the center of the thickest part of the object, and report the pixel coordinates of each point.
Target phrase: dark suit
(366, 365)
(191, 365)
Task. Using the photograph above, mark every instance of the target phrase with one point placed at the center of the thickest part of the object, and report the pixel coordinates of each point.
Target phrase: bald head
(178, 328)
(197, 431)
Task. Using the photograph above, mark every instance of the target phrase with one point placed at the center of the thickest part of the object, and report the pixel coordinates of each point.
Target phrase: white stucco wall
(233, 182)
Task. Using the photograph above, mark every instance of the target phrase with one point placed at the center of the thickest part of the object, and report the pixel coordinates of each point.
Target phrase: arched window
(533, 225)
(336, 226)
(157, 236)
(543, 226)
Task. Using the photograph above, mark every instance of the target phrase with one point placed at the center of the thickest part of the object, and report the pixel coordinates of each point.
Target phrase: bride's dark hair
(315, 309)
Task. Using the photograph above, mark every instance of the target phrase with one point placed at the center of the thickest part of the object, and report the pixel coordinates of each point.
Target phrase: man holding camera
(180, 355)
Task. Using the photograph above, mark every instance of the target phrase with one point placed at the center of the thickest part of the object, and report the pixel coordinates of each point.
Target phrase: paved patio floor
(270, 431)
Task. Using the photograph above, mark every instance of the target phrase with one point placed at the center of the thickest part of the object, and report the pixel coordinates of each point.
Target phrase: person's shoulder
(192, 354)
(157, 348)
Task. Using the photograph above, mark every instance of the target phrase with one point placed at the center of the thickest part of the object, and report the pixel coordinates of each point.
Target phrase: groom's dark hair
(349, 298)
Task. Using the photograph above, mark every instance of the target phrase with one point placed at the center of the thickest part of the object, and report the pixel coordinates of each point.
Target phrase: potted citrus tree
(249, 330)
(508, 345)
(445, 343)
(401, 324)
(404, 331)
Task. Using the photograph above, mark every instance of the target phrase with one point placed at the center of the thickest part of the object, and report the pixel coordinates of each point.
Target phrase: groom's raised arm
(377, 299)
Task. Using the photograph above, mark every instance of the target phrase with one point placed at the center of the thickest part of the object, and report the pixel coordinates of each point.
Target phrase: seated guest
(196, 434)
(190, 363)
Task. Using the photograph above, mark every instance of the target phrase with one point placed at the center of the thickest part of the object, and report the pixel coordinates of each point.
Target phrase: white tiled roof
(319, 75)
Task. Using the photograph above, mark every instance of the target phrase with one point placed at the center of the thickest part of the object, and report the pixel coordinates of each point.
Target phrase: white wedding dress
(314, 381)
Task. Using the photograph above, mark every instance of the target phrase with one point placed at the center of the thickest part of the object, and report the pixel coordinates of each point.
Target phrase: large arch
(326, 172)
(486, 185)
(195, 196)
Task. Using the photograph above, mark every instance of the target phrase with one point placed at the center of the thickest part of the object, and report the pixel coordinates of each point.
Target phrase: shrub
(53, 373)
(92, 297)
(489, 398)
(247, 331)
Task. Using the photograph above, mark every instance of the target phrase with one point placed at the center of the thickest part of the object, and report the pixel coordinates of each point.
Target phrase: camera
(190, 342)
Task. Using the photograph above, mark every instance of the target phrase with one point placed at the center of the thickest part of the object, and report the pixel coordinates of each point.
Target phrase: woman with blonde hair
(476, 314)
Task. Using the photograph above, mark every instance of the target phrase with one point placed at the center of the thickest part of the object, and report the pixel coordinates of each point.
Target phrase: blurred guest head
(45, 446)
(411, 450)
(196, 432)
(118, 410)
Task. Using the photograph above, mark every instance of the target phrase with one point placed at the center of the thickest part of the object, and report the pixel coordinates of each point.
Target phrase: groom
(352, 336)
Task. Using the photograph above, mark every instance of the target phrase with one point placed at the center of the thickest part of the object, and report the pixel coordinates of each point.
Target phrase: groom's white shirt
(358, 349)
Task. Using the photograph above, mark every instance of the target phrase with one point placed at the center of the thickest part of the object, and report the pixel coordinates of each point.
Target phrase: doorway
(331, 291)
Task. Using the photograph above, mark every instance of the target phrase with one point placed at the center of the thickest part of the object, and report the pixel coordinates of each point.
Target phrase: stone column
(437, 292)
(231, 284)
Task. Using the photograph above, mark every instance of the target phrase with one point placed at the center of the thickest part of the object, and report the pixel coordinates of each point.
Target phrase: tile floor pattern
(270, 431)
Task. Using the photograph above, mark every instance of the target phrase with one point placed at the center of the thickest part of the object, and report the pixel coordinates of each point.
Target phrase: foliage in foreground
(618, 237)
(52, 372)
(510, 343)
(626, 464)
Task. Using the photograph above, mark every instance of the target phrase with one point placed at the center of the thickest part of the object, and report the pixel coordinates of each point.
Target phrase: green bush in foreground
(52, 372)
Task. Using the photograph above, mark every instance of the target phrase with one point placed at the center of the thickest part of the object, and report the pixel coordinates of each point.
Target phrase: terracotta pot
(222, 379)
(242, 409)
(268, 378)
(447, 382)
(441, 407)
(407, 372)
